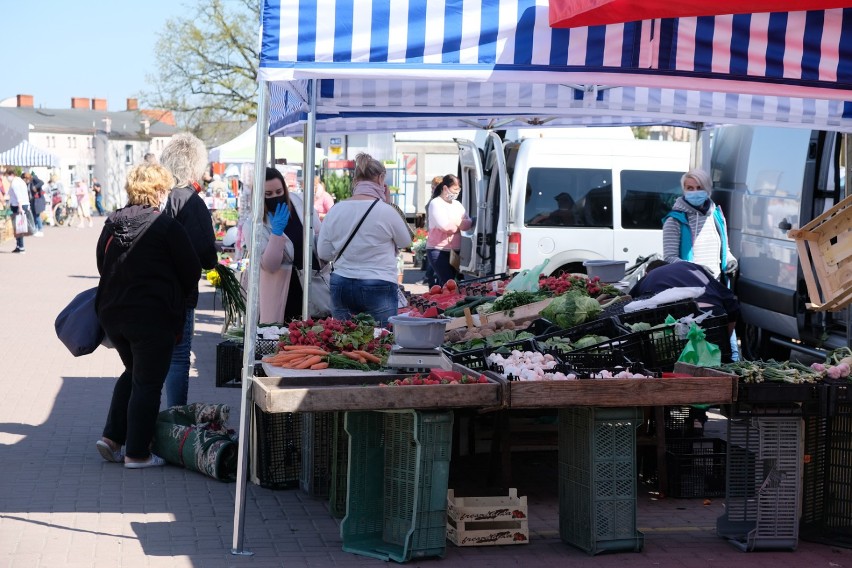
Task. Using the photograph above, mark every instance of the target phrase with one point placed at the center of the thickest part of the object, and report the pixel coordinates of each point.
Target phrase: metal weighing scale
(417, 360)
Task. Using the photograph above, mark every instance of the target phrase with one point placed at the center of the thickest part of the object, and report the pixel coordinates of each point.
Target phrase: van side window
(646, 197)
(568, 197)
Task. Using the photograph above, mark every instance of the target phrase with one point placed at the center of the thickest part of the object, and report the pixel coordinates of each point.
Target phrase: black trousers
(146, 352)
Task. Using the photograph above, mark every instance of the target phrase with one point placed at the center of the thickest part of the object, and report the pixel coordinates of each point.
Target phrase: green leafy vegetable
(571, 309)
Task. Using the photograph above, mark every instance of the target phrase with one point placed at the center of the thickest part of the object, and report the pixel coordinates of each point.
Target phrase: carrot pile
(299, 357)
(314, 358)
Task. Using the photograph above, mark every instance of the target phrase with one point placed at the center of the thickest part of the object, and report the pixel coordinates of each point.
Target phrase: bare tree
(207, 64)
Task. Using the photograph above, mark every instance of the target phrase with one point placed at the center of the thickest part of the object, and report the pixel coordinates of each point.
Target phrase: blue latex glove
(278, 220)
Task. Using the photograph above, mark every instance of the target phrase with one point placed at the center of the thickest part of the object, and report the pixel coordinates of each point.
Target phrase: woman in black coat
(148, 268)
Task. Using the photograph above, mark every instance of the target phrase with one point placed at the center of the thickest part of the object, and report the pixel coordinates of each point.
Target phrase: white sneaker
(38, 234)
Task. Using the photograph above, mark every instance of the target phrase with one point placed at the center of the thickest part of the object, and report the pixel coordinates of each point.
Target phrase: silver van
(769, 180)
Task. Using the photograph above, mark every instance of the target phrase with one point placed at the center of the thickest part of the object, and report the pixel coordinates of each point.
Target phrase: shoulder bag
(319, 296)
(77, 325)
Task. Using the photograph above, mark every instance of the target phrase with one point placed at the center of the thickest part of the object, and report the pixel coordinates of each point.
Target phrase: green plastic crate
(399, 465)
(597, 479)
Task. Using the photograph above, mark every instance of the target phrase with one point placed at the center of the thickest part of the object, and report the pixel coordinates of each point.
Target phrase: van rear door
(485, 196)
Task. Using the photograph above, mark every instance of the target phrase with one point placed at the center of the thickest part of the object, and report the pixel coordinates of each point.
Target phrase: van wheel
(571, 268)
(756, 345)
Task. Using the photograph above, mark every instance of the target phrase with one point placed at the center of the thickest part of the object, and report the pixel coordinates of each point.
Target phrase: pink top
(322, 203)
(446, 220)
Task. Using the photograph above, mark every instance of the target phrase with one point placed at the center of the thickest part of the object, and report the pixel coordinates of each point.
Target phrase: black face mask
(272, 203)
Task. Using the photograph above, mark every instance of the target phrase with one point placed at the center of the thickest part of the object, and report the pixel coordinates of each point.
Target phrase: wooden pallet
(825, 251)
(487, 521)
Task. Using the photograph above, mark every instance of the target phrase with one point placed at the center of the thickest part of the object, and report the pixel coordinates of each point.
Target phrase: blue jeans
(38, 224)
(735, 349)
(439, 260)
(177, 379)
(351, 296)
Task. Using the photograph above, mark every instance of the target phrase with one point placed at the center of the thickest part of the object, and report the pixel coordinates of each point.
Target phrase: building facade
(88, 139)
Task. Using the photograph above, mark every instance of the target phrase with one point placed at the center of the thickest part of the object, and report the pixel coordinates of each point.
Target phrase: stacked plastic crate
(597, 479)
(827, 480)
(763, 481)
(399, 465)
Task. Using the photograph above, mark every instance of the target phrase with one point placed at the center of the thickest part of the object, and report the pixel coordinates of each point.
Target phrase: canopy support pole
(309, 148)
(250, 322)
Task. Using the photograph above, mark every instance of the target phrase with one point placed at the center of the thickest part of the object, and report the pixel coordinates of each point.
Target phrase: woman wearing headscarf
(281, 242)
(148, 268)
(363, 235)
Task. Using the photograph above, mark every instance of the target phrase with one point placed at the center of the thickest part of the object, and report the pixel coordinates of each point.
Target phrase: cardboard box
(487, 521)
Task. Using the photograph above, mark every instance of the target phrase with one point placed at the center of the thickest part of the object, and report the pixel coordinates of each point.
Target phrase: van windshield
(646, 197)
(568, 197)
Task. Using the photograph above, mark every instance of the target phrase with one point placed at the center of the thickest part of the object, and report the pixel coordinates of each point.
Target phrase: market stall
(622, 74)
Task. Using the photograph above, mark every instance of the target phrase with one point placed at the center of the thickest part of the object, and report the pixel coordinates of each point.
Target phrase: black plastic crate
(827, 481)
(472, 356)
(780, 399)
(696, 467)
(277, 455)
(607, 327)
(655, 316)
(838, 398)
(541, 326)
(679, 422)
(585, 365)
(229, 363)
(339, 468)
(660, 348)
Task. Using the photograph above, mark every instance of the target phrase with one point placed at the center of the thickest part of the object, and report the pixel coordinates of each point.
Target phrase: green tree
(207, 64)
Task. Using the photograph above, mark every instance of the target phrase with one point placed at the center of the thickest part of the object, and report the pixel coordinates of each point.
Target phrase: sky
(58, 49)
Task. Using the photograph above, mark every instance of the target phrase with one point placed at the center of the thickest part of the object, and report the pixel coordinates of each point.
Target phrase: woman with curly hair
(148, 268)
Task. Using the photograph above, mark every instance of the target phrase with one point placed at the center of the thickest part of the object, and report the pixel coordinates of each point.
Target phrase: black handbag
(77, 325)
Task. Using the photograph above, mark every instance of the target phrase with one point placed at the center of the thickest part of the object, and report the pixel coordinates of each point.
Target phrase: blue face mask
(696, 198)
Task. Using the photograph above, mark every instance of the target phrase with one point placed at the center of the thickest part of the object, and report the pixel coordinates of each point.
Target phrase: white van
(567, 200)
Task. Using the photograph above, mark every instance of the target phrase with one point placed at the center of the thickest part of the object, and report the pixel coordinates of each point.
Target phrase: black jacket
(188, 209)
(148, 269)
(687, 274)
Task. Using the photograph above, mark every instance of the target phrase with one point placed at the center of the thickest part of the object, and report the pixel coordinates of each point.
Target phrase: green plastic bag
(526, 280)
(699, 351)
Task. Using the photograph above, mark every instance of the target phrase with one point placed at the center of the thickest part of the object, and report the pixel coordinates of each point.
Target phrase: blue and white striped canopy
(409, 64)
(26, 155)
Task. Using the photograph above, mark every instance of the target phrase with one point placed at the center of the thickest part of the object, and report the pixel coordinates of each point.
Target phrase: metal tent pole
(309, 153)
(250, 324)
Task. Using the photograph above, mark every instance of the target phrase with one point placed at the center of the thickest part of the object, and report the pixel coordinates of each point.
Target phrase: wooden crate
(521, 313)
(7, 229)
(825, 251)
(487, 521)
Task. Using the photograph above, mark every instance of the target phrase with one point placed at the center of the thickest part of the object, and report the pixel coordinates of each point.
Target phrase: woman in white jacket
(365, 272)
(281, 239)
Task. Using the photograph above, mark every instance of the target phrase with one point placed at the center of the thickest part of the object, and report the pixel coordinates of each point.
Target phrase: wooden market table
(336, 390)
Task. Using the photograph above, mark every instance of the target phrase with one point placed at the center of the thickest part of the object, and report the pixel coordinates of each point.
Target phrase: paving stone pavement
(61, 505)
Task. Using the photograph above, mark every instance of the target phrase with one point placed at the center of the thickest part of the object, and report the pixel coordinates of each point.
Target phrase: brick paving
(61, 505)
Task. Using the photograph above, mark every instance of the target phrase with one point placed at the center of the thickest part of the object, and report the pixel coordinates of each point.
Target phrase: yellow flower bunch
(214, 278)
